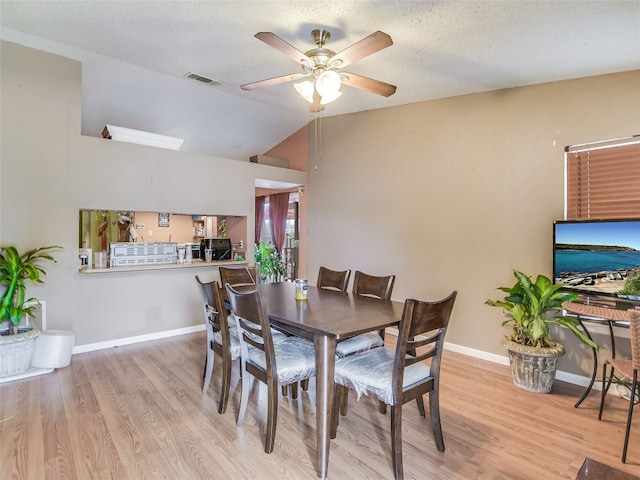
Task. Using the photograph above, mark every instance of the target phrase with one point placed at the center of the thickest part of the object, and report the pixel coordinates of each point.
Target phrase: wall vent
(200, 78)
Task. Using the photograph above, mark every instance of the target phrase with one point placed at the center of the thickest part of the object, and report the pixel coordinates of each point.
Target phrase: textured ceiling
(135, 55)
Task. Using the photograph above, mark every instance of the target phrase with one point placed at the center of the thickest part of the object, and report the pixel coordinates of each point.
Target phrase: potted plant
(531, 308)
(222, 228)
(16, 347)
(270, 267)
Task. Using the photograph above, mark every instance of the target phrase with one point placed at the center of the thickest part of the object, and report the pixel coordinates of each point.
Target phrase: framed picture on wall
(163, 219)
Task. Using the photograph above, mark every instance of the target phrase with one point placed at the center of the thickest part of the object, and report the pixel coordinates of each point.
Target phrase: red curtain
(278, 210)
(259, 218)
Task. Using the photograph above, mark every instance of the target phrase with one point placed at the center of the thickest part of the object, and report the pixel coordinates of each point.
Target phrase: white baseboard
(91, 347)
(504, 360)
(472, 352)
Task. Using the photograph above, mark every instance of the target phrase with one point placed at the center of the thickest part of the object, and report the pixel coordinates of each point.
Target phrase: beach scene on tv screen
(597, 256)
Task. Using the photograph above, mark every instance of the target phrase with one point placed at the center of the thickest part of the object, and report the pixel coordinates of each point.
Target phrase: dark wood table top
(326, 312)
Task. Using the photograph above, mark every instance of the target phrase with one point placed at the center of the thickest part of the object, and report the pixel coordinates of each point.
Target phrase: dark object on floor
(599, 471)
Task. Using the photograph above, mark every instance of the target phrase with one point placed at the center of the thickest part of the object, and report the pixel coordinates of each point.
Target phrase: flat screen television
(596, 257)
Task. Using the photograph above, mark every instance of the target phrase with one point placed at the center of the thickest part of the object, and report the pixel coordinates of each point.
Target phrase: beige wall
(48, 172)
(455, 193)
(448, 194)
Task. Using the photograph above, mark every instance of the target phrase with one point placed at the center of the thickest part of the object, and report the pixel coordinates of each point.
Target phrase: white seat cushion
(371, 372)
(295, 359)
(359, 343)
(235, 341)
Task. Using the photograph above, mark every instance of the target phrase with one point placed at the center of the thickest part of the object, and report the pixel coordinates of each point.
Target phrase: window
(292, 220)
(602, 180)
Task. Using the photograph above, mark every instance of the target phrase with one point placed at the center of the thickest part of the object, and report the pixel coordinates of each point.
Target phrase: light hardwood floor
(137, 412)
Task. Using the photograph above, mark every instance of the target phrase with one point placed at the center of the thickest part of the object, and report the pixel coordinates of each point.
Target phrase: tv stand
(601, 311)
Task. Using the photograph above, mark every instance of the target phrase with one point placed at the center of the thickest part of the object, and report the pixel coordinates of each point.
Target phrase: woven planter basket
(16, 351)
(533, 369)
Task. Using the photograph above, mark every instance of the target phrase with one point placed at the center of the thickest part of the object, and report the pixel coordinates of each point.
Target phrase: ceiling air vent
(200, 78)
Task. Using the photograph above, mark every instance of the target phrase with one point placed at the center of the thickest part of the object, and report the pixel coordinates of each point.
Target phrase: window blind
(603, 180)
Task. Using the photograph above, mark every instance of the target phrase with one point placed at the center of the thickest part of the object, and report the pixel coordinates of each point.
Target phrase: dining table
(325, 317)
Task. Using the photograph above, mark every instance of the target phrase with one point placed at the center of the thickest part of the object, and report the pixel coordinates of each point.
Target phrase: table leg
(325, 365)
(595, 367)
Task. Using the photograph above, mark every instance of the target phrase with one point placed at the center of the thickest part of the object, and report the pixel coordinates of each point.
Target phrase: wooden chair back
(255, 330)
(216, 323)
(236, 276)
(421, 336)
(206, 295)
(373, 286)
(220, 318)
(214, 310)
(333, 279)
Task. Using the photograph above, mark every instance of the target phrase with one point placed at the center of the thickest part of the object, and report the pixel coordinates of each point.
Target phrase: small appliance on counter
(195, 249)
(220, 248)
(128, 253)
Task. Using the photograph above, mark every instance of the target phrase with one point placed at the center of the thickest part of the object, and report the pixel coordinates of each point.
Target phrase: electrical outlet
(150, 233)
(139, 225)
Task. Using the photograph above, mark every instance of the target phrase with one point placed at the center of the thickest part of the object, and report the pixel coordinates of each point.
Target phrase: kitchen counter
(197, 263)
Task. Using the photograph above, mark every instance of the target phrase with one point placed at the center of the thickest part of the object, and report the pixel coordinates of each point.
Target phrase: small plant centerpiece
(271, 268)
(15, 271)
(531, 308)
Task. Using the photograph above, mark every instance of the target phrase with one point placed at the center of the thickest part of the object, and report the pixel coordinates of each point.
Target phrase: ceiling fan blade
(278, 43)
(365, 47)
(368, 84)
(316, 106)
(272, 81)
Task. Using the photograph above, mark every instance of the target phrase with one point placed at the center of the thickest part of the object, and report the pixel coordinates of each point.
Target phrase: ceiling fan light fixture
(305, 89)
(324, 99)
(319, 65)
(328, 84)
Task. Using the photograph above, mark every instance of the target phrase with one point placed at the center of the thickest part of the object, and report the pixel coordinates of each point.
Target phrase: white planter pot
(533, 369)
(16, 351)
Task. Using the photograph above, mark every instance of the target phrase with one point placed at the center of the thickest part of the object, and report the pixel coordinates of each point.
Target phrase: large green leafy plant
(270, 266)
(533, 306)
(15, 271)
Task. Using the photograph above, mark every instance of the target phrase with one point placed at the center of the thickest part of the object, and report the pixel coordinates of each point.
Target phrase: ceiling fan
(320, 81)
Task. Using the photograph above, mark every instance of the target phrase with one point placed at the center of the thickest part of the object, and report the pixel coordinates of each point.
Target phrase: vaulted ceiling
(135, 55)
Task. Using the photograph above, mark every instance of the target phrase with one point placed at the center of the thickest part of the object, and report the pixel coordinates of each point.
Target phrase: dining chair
(333, 279)
(286, 362)
(627, 372)
(397, 376)
(241, 276)
(236, 276)
(221, 338)
(369, 286)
